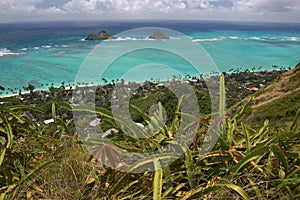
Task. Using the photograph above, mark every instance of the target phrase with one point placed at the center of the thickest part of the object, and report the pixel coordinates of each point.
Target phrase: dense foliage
(50, 162)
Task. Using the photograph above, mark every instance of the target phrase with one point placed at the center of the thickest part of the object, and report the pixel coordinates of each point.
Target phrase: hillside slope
(278, 102)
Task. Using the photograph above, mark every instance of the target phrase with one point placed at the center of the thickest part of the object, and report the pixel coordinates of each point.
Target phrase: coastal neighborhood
(140, 100)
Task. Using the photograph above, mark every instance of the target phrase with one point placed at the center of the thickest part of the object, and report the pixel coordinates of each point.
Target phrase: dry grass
(271, 102)
(284, 86)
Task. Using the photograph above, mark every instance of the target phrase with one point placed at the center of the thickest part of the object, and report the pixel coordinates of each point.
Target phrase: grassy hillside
(50, 162)
(278, 102)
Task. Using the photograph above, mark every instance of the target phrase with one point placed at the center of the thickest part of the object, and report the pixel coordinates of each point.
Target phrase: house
(109, 132)
(49, 121)
(95, 122)
(253, 89)
(140, 125)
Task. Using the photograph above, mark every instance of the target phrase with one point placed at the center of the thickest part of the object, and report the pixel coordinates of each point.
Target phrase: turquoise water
(42, 54)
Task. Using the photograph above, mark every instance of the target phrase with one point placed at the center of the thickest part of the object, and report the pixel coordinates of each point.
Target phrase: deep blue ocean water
(52, 52)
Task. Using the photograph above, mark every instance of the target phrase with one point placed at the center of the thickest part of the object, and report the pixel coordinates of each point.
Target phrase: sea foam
(5, 51)
(208, 39)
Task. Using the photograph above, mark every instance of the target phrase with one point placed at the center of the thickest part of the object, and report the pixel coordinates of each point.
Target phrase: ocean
(49, 53)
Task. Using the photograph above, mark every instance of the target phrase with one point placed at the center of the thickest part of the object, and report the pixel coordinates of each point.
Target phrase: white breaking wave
(257, 38)
(130, 39)
(235, 38)
(5, 51)
(208, 39)
(291, 38)
(47, 46)
(274, 38)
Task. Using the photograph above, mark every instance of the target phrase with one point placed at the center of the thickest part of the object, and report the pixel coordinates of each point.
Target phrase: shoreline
(69, 85)
(191, 79)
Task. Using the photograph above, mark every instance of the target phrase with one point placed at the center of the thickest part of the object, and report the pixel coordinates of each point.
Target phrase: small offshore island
(103, 35)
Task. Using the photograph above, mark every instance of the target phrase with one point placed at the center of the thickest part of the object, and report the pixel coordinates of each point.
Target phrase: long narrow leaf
(247, 137)
(10, 136)
(189, 165)
(2, 196)
(2, 156)
(53, 109)
(280, 155)
(238, 190)
(140, 112)
(26, 108)
(261, 133)
(157, 182)
(258, 152)
(222, 106)
(164, 157)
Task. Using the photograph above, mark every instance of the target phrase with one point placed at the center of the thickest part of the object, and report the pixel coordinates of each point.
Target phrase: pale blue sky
(233, 10)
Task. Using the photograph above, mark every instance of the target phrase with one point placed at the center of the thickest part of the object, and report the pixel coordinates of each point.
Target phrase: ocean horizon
(46, 53)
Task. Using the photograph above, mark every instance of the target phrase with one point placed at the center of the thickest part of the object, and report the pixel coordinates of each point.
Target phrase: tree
(104, 80)
(31, 88)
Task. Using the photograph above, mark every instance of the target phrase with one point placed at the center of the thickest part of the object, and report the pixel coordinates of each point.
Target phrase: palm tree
(31, 88)
(104, 80)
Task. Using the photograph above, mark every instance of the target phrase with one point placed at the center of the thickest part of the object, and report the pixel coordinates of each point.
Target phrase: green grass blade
(157, 182)
(147, 160)
(31, 173)
(2, 156)
(26, 108)
(294, 124)
(53, 109)
(2, 196)
(65, 104)
(10, 136)
(129, 196)
(261, 133)
(189, 167)
(167, 192)
(258, 152)
(246, 105)
(64, 125)
(238, 190)
(247, 137)
(117, 186)
(280, 155)
(222, 108)
(140, 112)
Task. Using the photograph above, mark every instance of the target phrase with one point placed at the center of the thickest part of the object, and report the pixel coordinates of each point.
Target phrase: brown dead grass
(278, 89)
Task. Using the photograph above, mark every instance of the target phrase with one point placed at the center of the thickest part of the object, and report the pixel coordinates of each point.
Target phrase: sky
(231, 10)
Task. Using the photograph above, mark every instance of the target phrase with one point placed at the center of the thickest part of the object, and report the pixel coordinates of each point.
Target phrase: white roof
(109, 132)
(49, 121)
(140, 125)
(95, 122)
